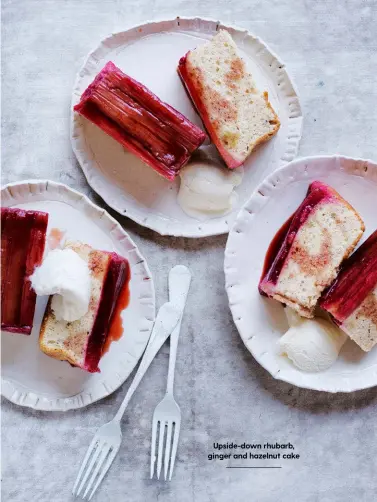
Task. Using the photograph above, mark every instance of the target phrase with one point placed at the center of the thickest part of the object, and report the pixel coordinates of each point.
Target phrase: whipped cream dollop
(66, 276)
(312, 345)
(207, 188)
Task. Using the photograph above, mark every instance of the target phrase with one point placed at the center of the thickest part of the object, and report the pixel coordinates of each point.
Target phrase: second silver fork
(167, 415)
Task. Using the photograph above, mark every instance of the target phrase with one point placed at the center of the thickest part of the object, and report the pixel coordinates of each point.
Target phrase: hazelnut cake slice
(237, 116)
(322, 233)
(81, 342)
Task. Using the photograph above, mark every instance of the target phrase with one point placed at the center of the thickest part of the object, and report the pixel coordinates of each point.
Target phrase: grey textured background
(330, 48)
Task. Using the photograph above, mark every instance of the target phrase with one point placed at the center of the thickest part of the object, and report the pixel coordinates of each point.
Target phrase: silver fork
(107, 440)
(167, 415)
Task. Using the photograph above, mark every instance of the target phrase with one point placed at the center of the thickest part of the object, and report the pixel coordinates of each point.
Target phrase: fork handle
(166, 320)
(179, 284)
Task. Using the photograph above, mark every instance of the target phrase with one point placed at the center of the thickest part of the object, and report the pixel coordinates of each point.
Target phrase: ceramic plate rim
(344, 385)
(16, 392)
(158, 224)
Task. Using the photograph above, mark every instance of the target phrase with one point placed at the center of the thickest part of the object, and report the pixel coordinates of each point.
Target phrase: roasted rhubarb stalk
(23, 236)
(352, 299)
(81, 342)
(135, 117)
(305, 257)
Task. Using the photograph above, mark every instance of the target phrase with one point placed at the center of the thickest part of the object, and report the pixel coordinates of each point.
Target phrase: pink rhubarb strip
(135, 117)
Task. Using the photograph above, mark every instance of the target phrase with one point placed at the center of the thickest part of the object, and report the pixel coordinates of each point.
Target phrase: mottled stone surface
(330, 49)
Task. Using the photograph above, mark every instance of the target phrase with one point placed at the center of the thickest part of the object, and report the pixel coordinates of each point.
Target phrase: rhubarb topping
(356, 280)
(117, 278)
(23, 239)
(135, 117)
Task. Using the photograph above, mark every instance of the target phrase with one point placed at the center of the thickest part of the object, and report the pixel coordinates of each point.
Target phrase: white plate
(29, 377)
(261, 321)
(150, 53)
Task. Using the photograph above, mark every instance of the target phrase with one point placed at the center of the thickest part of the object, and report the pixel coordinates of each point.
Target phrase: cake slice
(352, 299)
(135, 117)
(81, 342)
(236, 115)
(322, 232)
(23, 237)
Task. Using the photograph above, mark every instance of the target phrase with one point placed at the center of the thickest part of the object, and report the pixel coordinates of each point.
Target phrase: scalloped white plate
(260, 321)
(150, 53)
(29, 377)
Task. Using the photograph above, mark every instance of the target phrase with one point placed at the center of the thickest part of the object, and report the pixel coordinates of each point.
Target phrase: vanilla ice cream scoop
(66, 276)
(207, 189)
(312, 344)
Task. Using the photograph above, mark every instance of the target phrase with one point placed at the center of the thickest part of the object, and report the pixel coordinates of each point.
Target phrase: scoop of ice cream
(207, 189)
(312, 344)
(66, 276)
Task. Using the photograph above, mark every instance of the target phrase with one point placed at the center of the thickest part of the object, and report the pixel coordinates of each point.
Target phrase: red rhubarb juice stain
(116, 327)
(275, 245)
(55, 238)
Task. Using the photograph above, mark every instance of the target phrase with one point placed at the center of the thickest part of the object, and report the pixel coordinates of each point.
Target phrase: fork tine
(89, 468)
(104, 453)
(84, 462)
(153, 449)
(174, 450)
(106, 467)
(160, 448)
(167, 448)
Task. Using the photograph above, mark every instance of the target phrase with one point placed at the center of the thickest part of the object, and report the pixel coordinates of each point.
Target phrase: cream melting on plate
(207, 188)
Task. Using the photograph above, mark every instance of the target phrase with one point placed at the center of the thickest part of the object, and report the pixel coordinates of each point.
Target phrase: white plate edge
(11, 390)
(229, 266)
(294, 125)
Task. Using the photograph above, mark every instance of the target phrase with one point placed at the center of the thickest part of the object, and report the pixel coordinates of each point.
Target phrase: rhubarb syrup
(274, 247)
(55, 238)
(116, 327)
